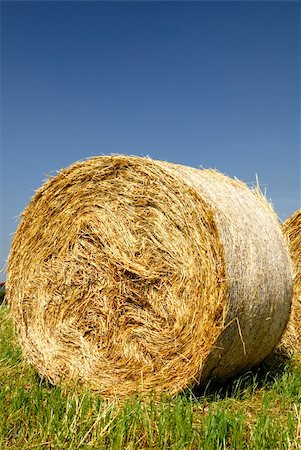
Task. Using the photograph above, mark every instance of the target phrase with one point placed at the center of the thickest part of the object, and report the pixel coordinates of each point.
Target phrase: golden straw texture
(133, 275)
(292, 337)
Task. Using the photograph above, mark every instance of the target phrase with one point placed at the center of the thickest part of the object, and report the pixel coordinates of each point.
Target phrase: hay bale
(128, 274)
(292, 337)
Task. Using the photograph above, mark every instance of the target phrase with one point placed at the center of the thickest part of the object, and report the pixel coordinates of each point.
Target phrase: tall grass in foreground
(259, 410)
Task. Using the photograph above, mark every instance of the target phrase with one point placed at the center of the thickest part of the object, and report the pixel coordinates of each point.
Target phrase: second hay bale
(129, 274)
(292, 336)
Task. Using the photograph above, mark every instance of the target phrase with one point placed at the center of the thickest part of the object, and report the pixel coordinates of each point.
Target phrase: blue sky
(214, 84)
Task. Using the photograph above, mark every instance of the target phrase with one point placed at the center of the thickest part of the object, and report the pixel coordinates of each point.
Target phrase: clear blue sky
(214, 84)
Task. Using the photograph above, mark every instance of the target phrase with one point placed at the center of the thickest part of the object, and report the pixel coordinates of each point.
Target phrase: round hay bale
(133, 275)
(292, 337)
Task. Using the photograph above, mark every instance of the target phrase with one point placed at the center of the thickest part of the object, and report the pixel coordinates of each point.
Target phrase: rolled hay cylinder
(291, 340)
(133, 275)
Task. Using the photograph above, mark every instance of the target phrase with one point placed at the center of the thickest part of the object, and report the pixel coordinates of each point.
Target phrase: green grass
(259, 410)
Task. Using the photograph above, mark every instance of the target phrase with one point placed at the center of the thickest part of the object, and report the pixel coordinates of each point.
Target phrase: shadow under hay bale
(265, 374)
(2, 293)
(133, 275)
(292, 337)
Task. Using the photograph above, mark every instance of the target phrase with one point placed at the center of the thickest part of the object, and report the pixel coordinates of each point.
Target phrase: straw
(133, 275)
(292, 338)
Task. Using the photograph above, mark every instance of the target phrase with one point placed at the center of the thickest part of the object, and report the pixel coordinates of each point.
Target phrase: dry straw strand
(128, 275)
(292, 337)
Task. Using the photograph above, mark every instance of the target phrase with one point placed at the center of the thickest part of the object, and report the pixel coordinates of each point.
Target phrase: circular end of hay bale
(108, 277)
(292, 337)
(133, 275)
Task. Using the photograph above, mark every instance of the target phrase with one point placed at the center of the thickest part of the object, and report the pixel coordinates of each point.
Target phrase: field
(259, 410)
